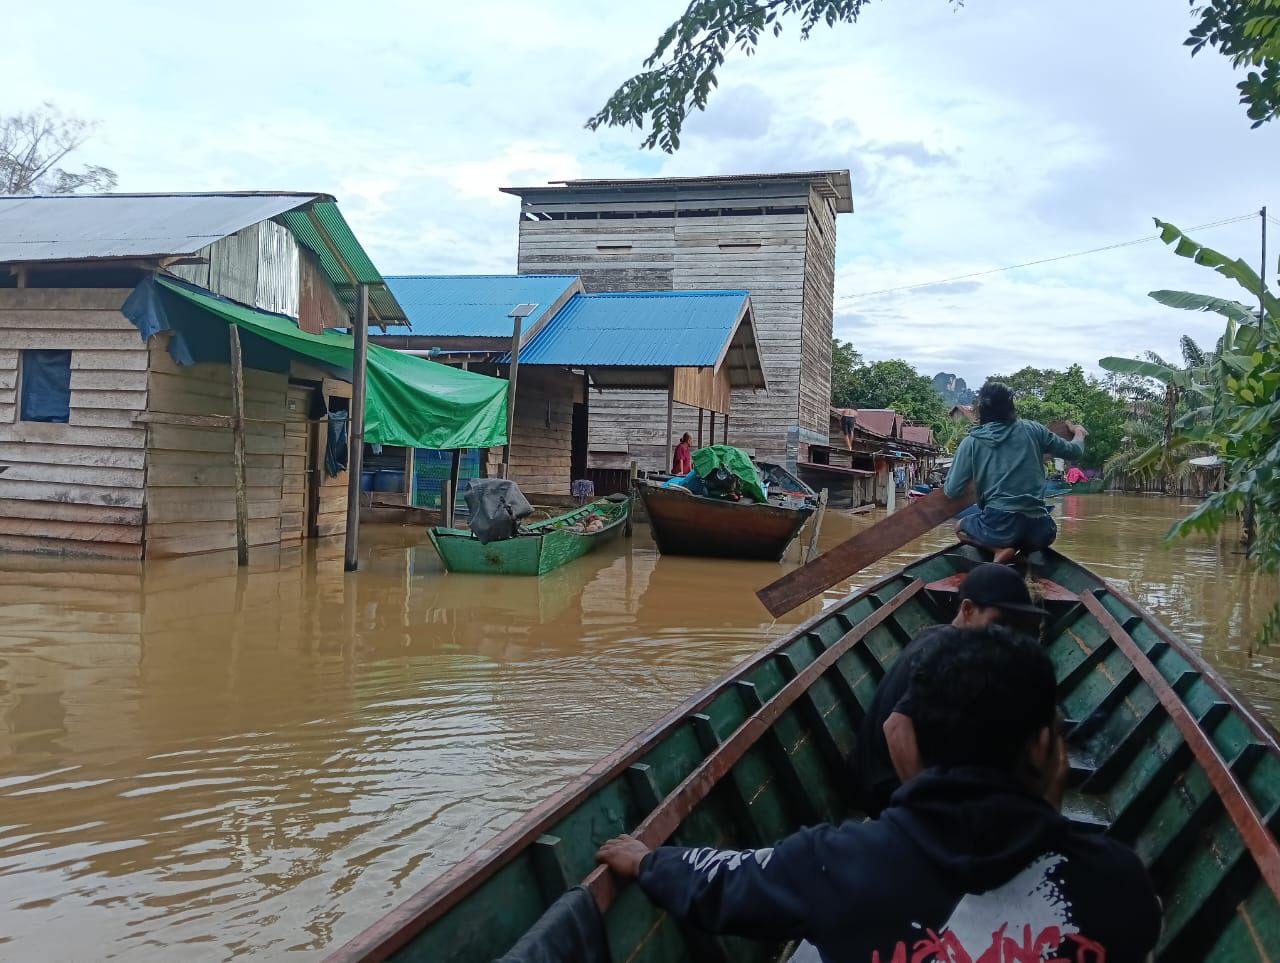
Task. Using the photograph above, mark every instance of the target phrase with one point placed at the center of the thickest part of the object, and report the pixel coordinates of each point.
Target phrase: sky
(979, 136)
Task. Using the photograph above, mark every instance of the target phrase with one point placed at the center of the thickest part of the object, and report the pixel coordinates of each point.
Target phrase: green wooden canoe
(1091, 487)
(541, 547)
(1163, 754)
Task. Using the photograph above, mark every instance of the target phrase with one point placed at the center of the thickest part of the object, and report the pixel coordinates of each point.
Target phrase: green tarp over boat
(733, 460)
(410, 401)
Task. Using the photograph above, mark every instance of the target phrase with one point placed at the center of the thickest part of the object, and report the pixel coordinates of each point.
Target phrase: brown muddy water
(202, 765)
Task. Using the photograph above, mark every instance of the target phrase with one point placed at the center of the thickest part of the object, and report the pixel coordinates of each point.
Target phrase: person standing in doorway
(682, 462)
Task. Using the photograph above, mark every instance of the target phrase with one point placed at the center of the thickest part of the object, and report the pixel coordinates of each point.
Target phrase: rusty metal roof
(834, 184)
(83, 227)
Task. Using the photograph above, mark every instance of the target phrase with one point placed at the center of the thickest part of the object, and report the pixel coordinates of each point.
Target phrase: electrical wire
(1044, 260)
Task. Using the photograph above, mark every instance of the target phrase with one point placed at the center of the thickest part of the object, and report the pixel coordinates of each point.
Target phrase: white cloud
(978, 137)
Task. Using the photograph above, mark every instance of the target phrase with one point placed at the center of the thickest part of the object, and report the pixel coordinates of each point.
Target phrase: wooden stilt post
(817, 526)
(446, 503)
(713, 426)
(517, 316)
(455, 471)
(700, 413)
(356, 425)
(726, 428)
(631, 489)
(671, 399)
(237, 434)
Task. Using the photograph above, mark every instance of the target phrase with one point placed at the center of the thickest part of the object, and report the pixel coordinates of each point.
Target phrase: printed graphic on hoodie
(1026, 920)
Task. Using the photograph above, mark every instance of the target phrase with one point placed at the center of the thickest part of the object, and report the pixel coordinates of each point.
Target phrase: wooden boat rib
(1164, 756)
(547, 545)
(688, 524)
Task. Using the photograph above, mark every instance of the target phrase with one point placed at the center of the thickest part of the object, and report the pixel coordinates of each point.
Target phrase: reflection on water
(237, 764)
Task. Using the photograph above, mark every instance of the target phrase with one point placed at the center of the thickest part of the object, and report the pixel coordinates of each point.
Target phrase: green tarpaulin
(409, 401)
(734, 460)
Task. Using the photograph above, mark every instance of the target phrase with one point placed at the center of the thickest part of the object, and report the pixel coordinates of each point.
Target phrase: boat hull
(688, 524)
(537, 554)
(1163, 756)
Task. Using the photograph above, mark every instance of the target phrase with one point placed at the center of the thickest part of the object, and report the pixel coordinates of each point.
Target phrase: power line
(1045, 260)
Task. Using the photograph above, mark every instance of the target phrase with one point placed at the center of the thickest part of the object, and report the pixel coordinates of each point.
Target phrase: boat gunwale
(403, 923)
(646, 487)
(399, 925)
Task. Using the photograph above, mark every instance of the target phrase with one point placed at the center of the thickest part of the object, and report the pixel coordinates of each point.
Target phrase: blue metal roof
(684, 329)
(474, 305)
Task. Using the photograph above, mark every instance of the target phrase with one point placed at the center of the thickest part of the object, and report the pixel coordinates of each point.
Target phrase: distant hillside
(953, 389)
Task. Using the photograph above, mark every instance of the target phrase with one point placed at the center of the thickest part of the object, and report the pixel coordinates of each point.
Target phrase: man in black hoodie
(971, 861)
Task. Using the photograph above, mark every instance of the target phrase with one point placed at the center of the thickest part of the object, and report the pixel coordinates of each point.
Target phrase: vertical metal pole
(511, 395)
(237, 433)
(355, 417)
(455, 471)
(671, 396)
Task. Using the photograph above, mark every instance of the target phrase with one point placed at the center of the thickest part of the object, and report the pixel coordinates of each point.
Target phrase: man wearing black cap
(886, 753)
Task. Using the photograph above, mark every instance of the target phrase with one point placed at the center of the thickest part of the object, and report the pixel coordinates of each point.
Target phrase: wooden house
(111, 446)
(694, 348)
(773, 235)
(865, 447)
(963, 413)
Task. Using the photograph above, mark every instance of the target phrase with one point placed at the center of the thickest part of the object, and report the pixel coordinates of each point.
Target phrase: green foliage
(33, 144)
(681, 72)
(950, 433)
(889, 384)
(1046, 395)
(1248, 32)
(1232, 405)
(845, 360)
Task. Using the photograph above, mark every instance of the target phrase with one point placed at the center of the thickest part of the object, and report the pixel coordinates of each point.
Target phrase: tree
(1233, 402)
(33, 144)
(845, 360)
(1248, 32)
(681, 71)
(892, 384)
(1046, 395)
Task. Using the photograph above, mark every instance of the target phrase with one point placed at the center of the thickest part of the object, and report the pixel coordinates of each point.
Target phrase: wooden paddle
(865, 548)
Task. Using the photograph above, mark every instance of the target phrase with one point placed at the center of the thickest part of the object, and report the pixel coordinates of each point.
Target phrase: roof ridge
(513, 277)
(23, 197)
(715, 292)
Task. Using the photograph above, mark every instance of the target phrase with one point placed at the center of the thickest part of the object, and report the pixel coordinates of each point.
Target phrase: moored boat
(538, 548)
(687, 524)
(1164, 756)
(1090, 487)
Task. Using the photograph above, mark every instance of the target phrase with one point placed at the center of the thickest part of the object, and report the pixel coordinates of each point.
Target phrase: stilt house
(116, 397)
(772, 235)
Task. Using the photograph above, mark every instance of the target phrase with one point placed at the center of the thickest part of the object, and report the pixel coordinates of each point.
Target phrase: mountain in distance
(953, 389)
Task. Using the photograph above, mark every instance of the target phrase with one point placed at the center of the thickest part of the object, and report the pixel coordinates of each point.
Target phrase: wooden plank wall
(331, 515)
(293, 484)
(74, 488)
(190, 487)
(541, 453)
(818, 321)
(633, 248)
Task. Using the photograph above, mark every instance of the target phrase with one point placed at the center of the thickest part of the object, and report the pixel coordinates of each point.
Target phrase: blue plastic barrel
(389, 480)
(366, 480)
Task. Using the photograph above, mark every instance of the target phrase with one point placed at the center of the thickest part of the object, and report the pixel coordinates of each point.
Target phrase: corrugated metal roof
(684, 329)
(833, 183)
(76, 227)
(475, 305)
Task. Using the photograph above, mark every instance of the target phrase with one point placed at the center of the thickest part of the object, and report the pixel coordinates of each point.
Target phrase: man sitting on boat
(972, 859)
(1003, 457)
(886, 752)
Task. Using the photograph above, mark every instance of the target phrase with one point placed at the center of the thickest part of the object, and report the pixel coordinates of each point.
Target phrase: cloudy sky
(979, 137)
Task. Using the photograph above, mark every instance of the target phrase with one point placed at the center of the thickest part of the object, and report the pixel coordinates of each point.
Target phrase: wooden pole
(446, 503)
(817, 526)
(726, 428)
(355, 458)
(511, 394)
(671, 400)
(700, 413)
(713, 426)
(237, 434)
(455, 472)
(631, 490)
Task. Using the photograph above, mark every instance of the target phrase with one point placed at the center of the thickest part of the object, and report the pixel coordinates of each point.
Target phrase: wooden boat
(1090, 487)
(688, 524)
(1164, 756)
(540, 547)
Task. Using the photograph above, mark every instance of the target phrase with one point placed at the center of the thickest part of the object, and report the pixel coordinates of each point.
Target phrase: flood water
(224, 764)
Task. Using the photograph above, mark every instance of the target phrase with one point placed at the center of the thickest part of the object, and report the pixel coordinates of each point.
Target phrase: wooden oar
(865, 548)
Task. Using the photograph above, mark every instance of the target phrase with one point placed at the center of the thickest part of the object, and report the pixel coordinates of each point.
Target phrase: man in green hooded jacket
(1004, 460)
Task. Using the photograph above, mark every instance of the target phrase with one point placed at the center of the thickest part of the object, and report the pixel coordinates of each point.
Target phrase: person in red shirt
(682, 463)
